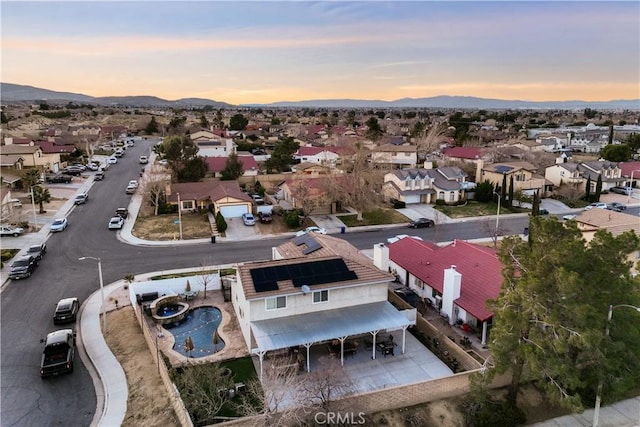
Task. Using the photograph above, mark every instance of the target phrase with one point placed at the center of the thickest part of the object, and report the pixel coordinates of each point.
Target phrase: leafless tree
(327, 384)
(153, 186)
(306, 199)
(430, 141)
(205, 278)
(276, 397)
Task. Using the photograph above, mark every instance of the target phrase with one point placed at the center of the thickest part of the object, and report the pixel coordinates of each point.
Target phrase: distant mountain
(10, 92)
(462, 102)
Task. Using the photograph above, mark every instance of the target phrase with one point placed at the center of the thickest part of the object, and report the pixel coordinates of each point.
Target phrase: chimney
(479, 166)
(450, 291)
(167, 189)
(381, 256)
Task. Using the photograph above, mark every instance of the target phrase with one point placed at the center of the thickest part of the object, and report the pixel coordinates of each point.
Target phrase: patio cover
(290, 331)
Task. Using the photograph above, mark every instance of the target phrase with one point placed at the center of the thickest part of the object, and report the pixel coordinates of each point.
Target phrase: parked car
(144, 160)
(16, 203)
(248, 219)
(408, 296)
(99, 176)
(133, 183)
(422, 222)
(72, 170)
(621, 190)
(397, 204)
(57, 179)
(81, 199)
(257, 199)
(23, 267)
(112, 160)
(58, 354)
(92, 167)
(122, 213)
(59, 224)
(130, 189)
(66, 311)
(8, 230)
(312, 229)
(79, 166)
(37, 251)
(265, 217)
(116, 223)
(597, 205)
(568, 217)
(618, 207)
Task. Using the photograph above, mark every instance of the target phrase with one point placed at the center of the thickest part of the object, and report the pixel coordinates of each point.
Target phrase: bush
(440, 202)
(165, 208)
(292, 218)
(221, 223)
(490, 413)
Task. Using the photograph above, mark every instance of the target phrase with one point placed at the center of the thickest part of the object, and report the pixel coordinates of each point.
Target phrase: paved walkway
(110, 380)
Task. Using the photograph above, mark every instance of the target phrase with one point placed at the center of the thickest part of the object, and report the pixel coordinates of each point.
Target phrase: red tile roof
(472, 153)
(217, 164)
(479, 266)
(627, 167)
(51, 148)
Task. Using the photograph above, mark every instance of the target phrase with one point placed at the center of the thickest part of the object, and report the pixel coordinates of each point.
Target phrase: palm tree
(41, 196)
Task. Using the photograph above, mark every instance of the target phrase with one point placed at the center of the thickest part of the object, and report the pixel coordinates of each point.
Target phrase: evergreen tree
(596, 197)
(232, 168)
(510, 202)
(503, 189)
(238, 122)
(587, 195)
(41, 196)
(152, 126)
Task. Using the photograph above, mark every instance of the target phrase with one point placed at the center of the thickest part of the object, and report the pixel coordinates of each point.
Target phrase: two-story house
(524, 175)
(457, 279)
(31, 154)
(578, 174)
(425, 185)
(308, 295)
(212, 145)
(396, 156)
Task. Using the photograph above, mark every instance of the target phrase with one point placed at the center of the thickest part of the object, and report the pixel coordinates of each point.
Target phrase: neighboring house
(463, 154)
(397, 156)
(578, 174)
(614, 222)
(319, 155)
(220, 196)
(425, 185)
(458, 279)
(211, 145)
(112, 132)
(553, 144)
(85, 130)
(529, 145)
(312, 169)
(524, 175)
(216, 165)
(630, 171)
(32, 155)
(309, 295)
(310, 194)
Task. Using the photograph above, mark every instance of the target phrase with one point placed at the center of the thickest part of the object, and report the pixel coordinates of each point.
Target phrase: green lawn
(377, 217)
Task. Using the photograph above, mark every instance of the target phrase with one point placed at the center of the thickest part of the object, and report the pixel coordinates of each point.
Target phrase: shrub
(440, 202)
(221, 223)
(292, 218)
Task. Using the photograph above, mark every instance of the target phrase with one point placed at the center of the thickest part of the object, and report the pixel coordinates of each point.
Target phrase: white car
(133, 183)
(598, 205)
(116, 223)
(568, 217)
(312, 229)
(144, 160)
(59, 224)
(112, 160)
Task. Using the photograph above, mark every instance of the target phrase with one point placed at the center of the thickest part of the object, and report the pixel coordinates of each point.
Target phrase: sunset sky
(260, 52)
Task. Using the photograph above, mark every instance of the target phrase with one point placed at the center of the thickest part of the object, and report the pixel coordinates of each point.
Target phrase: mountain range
(10, 92)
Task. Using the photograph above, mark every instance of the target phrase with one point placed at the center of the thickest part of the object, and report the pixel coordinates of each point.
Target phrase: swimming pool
(201, 325)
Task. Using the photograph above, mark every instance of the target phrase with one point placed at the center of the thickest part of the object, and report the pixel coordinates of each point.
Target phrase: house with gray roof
(421, 185)
(579, 173)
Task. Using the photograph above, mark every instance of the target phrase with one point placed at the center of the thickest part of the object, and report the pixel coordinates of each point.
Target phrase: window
(187, 204)
(320, 296)
(276, 303)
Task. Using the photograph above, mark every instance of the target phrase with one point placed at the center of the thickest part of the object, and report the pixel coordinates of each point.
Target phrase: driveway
(236, 230)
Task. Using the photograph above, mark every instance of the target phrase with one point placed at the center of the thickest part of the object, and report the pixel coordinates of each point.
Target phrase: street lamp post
(104, 312)
(596, 412)
(630, 185)
(179, 215)
(498, 213)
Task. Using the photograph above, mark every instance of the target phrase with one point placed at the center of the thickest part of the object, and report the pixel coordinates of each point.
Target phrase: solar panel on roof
(503, 169)
(312, 246)
(304, 273)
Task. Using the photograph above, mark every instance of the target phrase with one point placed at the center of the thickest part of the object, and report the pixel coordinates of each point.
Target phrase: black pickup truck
(58, 354)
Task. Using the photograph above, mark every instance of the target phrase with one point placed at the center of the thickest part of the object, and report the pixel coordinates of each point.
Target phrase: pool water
(200, 324)
(168, 310)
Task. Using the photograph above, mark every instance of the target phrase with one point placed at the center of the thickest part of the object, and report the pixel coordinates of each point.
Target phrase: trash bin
(343, 229)
(526, 231)
(213, 238)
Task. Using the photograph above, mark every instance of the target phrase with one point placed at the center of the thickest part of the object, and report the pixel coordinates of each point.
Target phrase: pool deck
(229, 330)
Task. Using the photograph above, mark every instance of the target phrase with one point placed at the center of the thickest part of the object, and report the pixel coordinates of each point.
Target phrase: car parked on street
(122, 213)
(8, 230)
(597, 205)
(99, 176)
(112, 160)
(568, 217)
(58, 225)
(116, 223)
(130, 189)
(421, 223)
(248, 219)
(37, 251)
(144, 160)
(621, 190)
(23, 267)
(616, 206)
(81, 199)
(66, 311)
(312, 229)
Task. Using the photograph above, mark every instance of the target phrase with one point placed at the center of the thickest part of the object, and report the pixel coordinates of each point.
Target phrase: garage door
(233, 211)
